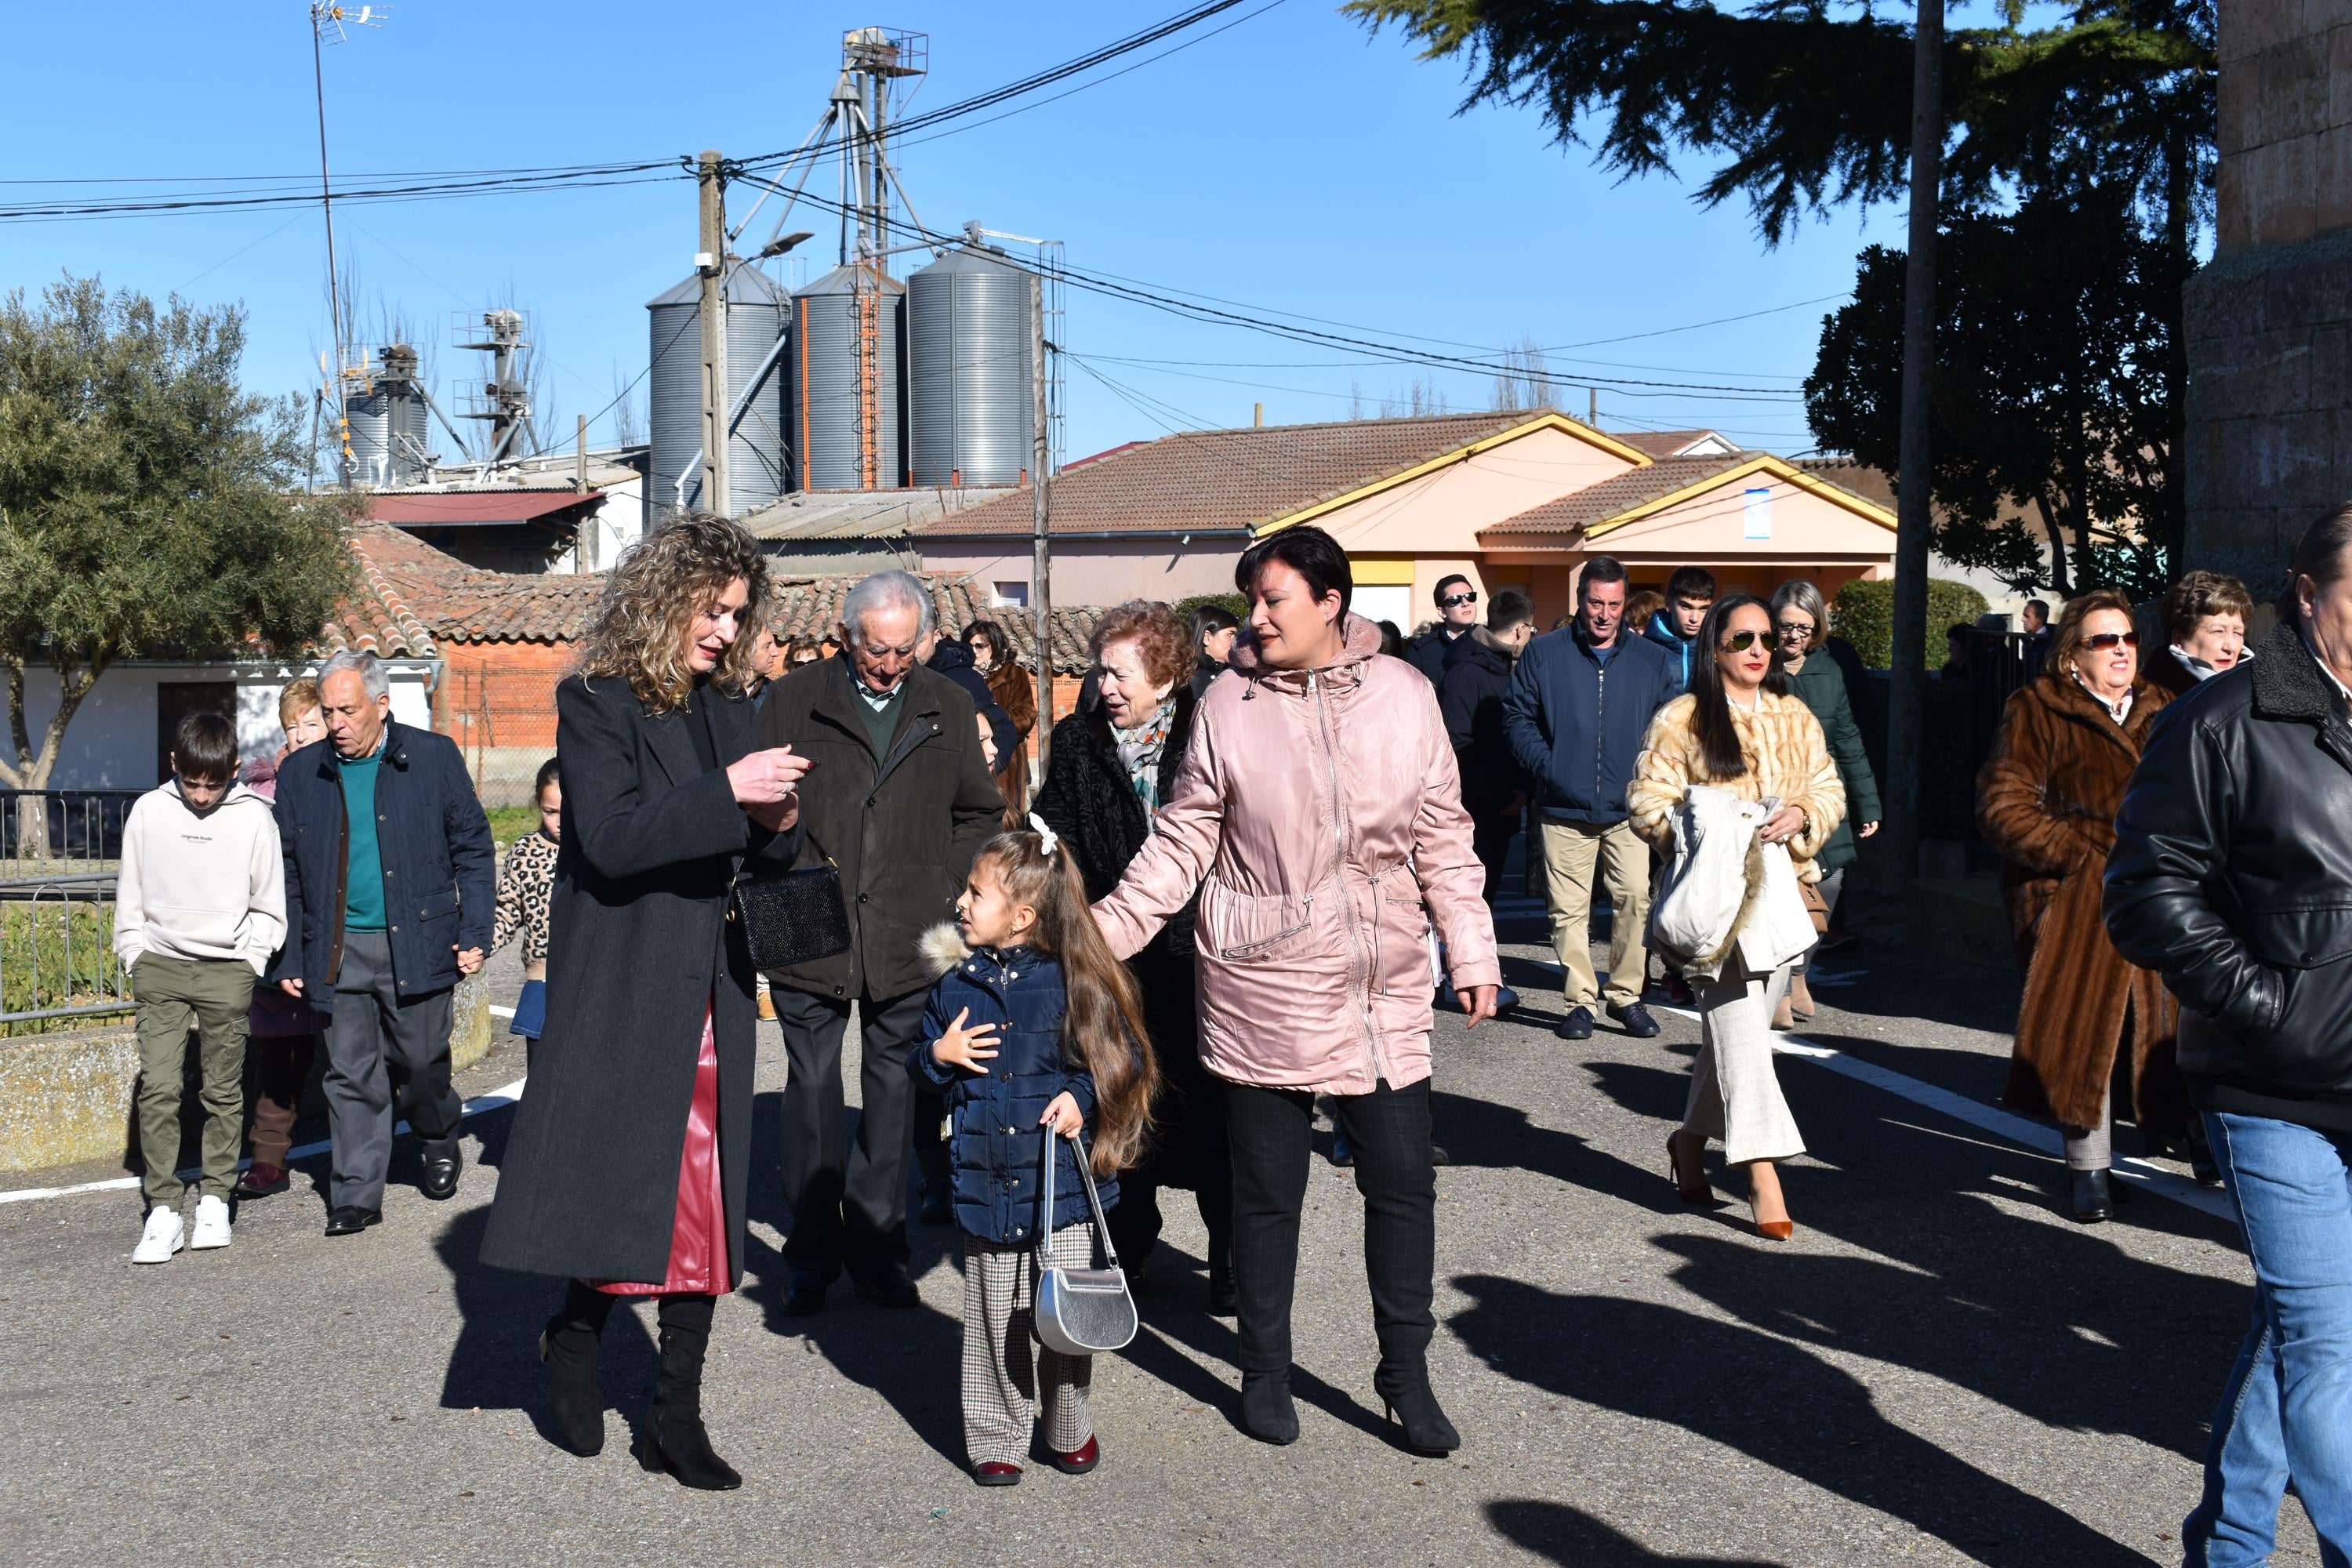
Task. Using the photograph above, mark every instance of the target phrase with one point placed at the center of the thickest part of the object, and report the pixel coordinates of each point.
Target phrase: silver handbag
(1080, 1312)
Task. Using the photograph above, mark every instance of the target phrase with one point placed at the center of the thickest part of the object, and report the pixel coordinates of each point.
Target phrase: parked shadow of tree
(1569, 1535)
(1771, 1400)
(1889, 980)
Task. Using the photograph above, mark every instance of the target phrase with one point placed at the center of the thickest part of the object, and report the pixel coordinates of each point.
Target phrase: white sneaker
(163, 1236)
(212, 1223)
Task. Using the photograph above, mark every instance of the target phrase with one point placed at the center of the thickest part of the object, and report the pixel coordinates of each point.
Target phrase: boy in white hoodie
(199, 909)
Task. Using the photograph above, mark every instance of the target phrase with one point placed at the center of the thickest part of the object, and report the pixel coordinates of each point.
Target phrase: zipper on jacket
(1599, 728)
(1340, 876)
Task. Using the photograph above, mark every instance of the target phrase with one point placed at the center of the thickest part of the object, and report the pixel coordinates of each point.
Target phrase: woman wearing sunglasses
(2046, 801)
(1733, 730)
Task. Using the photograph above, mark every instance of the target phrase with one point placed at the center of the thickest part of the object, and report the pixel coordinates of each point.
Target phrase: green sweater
(881, 720)
(1821, 687)
(364, 869)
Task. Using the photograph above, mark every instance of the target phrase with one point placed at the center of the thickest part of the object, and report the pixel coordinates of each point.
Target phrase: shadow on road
(1569, 1535)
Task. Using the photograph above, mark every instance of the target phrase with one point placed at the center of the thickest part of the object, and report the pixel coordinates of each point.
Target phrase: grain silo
(387, 418)
(850, 382)
(757, 468)
(969, 327)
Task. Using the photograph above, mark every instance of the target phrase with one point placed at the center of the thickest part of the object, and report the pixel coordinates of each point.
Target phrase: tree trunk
(1913, 495)
(32, 770)
(2061, 581)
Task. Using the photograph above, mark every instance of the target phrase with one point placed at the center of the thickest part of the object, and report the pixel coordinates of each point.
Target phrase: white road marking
(497, 1099)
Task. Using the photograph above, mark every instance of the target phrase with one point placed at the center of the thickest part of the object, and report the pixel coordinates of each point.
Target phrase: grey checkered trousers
(1004, 1368)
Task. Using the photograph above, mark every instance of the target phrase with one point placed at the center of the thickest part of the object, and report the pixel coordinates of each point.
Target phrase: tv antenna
(327, 24)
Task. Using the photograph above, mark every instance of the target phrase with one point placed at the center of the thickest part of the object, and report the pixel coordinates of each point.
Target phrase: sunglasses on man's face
(2104, 640)
(1741, 642)
(1453, 599)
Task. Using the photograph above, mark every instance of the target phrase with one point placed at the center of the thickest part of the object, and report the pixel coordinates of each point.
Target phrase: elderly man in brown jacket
(899, 798)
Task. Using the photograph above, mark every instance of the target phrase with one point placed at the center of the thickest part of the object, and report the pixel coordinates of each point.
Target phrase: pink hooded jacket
(1320, 815)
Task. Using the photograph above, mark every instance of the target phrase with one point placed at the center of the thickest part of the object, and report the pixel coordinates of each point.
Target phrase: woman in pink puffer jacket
(1320, 813)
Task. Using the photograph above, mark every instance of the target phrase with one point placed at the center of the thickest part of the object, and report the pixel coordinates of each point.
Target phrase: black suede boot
(1267, 1414)
(674, 1438)
(1407, 1398)
(1224, 1301)
(569, 1345)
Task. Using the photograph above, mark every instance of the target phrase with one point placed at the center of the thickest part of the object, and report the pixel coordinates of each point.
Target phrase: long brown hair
(638, 632)
(1102, 1020)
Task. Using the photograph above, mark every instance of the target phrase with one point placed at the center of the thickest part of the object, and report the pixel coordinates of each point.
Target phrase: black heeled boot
(1267, 1414)
(569, 1345)
(1407, 1398)
(674, 1437)
(1225, 1297)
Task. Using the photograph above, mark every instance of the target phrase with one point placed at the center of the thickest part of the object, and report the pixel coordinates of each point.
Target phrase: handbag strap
(1093, 1201)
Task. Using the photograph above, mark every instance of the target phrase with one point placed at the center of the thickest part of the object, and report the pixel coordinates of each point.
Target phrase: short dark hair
(1599, 569)
(1437, 594)
(1392, 640)
(547, 776)
(1509, 608)
(2040, 607)
(1306, 549)
(2199, 594)
(203, 749)
(1691, 583)
(2318, 555)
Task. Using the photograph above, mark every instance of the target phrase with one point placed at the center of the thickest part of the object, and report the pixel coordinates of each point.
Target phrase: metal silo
(756, 466)
(850, 382)
(970, 328)
(369, 417)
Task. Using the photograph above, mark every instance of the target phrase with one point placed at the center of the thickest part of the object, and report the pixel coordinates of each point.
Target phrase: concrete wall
(1099, 570)
(111, 743)
(2269, 321)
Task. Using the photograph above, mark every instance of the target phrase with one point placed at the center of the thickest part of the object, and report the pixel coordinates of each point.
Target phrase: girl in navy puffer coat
(1033, 1023)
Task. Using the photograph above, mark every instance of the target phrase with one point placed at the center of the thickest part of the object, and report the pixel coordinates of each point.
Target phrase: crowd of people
(1264, 851)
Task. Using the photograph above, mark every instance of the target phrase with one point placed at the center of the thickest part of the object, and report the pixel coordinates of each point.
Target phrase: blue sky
(1291, 163)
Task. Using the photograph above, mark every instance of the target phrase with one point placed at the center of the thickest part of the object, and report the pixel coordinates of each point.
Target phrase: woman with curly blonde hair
(631, 1154)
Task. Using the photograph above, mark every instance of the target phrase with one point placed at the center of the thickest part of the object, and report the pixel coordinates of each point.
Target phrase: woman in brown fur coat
(2047, 802)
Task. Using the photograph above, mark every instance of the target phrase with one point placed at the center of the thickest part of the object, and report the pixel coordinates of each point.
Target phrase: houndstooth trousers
(1004, 1365)
(1734, 1095)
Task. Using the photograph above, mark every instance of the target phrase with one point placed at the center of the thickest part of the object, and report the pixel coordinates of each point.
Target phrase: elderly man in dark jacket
(389, 899)
(2231, 876)
(1580, 704)
(898, 797)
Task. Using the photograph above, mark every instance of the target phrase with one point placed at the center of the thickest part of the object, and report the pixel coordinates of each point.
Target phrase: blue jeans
(2286, 1410)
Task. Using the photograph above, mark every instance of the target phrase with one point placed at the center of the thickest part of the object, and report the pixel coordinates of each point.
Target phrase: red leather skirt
(697, 1238)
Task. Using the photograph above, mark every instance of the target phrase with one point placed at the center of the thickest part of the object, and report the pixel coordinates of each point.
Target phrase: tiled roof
(1229, 478)
(1661, 443)
(414, 594)
(807, 515)
(1581, 509)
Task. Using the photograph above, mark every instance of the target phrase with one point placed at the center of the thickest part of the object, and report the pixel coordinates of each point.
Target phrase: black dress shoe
(893, 1289)
(350, 1219)
(1634, 1019)
(1577, 1026)
(1225, 1297)
(1505, 1000)
(1267, 1414)
(2092, 1199)
(804, 1297)
(441, 1172)
(938, 1206)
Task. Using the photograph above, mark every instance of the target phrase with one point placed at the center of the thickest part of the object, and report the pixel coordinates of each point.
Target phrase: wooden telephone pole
(710, 261)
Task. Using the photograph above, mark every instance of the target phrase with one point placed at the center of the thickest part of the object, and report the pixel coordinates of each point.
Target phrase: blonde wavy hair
(638, 633)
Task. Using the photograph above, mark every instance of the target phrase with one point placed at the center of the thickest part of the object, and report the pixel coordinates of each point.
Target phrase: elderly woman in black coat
(1112, 765)
(627, 1169)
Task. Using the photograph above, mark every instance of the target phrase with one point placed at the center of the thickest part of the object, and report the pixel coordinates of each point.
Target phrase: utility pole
(1907, 682)
(1040, 562)
(710, 261)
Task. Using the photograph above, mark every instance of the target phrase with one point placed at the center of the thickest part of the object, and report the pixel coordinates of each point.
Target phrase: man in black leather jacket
(2231, 876)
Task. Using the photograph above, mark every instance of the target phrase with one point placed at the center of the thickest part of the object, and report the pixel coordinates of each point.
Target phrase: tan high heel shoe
(1800, 999)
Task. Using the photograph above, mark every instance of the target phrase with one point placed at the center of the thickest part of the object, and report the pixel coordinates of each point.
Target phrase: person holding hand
(1032, 1024)
(628, 1169)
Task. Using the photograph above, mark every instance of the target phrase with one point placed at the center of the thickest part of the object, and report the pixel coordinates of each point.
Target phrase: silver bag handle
(1093, 1201)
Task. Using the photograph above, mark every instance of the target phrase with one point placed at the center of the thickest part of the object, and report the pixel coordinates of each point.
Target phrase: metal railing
(49, 833)
(56, 952)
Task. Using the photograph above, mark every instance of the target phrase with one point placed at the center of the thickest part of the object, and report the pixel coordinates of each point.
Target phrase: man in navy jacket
(1579, 705)
(389, 899)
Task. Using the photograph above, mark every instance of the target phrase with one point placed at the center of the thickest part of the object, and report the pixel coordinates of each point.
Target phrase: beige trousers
(1569, 852)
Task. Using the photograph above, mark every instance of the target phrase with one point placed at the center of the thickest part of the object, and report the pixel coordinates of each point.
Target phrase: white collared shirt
(2119, 709)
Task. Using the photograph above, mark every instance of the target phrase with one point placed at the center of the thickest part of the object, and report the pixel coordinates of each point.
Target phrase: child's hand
(1062, 1116)
(966, 1048)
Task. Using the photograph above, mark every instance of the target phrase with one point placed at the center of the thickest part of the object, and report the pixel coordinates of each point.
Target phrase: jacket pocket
(1243, 927)
(2304, 1045)
(439, 907)
(1403, 940)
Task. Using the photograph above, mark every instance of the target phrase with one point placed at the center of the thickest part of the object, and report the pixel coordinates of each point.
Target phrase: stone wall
(2268, 324)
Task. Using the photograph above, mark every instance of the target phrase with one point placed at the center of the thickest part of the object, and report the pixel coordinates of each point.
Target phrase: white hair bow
(1046, 839)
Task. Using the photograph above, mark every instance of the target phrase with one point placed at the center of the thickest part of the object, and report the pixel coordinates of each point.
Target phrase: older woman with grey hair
(1802, 621)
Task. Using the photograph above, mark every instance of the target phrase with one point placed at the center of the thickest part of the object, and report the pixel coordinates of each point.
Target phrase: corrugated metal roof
(862, 514)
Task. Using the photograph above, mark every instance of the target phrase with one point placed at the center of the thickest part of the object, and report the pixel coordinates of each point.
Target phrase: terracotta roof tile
(1581, 509)
(1228, 478)
(1660, 443)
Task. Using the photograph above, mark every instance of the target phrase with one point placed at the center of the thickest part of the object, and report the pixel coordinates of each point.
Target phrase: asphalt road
(1939, 1368)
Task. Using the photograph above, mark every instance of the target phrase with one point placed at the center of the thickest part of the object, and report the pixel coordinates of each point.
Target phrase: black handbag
(791, 918)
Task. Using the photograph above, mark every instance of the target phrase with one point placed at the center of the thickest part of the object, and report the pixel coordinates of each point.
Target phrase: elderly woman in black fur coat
(1112, 765)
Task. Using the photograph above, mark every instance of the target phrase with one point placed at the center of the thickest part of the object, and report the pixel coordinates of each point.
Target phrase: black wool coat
(902, 828)
(639, 944)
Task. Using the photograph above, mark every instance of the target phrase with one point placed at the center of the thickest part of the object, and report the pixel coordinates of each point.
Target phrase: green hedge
(1232, 604)
(1864, 614)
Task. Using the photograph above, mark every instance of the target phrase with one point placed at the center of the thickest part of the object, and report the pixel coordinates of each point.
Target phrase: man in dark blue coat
(1458, 613)
(1477, 676)
(1580, 704)
(389, 899)
(1689, 592)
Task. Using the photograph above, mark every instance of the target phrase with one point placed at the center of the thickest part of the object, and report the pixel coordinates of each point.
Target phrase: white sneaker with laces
(163, 1236)
(212, 1223)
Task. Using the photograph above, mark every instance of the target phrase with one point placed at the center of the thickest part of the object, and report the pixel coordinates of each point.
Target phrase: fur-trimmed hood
(943, 948)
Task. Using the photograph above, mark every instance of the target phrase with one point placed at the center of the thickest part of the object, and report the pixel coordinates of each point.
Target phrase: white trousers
(1734, 1095)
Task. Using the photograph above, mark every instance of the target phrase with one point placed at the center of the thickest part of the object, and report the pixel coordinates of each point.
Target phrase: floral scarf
(1139, 750)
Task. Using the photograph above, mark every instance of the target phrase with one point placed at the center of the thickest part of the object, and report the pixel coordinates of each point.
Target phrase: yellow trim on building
(1382, 571)
(1559, 422)
(1765, 463)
